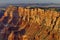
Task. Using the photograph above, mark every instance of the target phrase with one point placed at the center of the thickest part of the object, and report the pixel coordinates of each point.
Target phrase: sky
(28, 1)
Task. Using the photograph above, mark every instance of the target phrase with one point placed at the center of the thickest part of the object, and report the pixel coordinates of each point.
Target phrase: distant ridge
(33, 4)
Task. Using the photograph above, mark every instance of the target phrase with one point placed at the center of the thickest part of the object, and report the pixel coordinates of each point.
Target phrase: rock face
(19, 23)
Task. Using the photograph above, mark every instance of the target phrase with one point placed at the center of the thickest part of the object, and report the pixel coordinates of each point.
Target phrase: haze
(28, 1)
